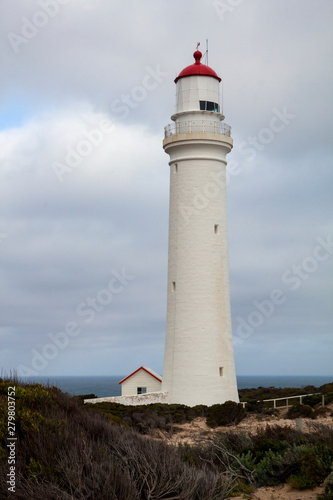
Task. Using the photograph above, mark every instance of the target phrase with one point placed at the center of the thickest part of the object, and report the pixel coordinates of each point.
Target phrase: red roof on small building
(147, 370)
(197, 69)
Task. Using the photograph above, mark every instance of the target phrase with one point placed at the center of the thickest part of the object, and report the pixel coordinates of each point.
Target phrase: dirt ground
(197, 430)
(283, 493)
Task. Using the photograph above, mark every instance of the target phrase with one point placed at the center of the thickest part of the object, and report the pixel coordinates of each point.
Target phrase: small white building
(142, 381)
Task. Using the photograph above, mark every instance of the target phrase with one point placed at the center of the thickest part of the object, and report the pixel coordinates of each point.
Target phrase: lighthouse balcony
(195, 126)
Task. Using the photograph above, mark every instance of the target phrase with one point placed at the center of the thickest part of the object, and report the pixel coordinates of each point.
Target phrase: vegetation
(148, 418)
(272, 456)
(328, 483)
(229, 413)
(257, 395)
(67, 450)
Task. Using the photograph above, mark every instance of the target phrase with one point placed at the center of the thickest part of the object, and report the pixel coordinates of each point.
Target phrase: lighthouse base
(135, 400)
(151, 398)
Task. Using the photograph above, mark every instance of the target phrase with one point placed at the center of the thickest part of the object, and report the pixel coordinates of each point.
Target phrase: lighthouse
(199, 363)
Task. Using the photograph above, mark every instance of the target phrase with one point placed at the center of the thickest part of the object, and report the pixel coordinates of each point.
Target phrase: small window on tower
(176, 168)
(221, 371)
(216, 228)
(210, 106)
(173, 286)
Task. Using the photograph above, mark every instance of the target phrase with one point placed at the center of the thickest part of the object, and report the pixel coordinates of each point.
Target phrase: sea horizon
(108, 385)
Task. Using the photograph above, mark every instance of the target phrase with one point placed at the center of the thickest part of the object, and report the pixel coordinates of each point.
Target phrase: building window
(141, 390)
(221, 371)
(209, 106)
(173, 286)
(176, 168)
(216, 228)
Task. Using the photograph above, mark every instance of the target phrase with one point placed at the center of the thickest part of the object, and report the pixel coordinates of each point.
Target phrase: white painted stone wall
(140, 379)
(142, 399)
(199, 360)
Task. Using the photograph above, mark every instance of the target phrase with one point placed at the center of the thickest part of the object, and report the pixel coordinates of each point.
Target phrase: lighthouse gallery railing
(197, 126)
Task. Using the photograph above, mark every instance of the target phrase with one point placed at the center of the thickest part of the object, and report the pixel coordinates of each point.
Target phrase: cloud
(84, 178)
(65, 238)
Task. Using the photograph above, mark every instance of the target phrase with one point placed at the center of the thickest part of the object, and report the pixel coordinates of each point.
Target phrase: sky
(86, 90)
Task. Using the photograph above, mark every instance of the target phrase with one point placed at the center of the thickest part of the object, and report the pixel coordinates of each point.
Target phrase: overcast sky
(86, 90)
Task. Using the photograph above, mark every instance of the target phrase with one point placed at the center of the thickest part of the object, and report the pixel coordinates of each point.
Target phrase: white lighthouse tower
(198, 361)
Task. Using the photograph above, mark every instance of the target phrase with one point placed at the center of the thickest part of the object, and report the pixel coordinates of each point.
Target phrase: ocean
(103, 386)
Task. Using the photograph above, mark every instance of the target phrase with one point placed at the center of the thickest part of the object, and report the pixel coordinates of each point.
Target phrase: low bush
(313, 468)
(328, 483)
(276, 438)
(147, 421)
(312, 400)
(328, 398)
(299, 411)
(147, 418)
(271, 412)
(321, 412)
(229, 413)
(80, 399)
(66, 451)
(275, 455)
(300, 482)
(254, 406)
(326, 388)
(261, 393)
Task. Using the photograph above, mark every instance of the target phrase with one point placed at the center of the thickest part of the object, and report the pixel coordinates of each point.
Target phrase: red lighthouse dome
(197, 69)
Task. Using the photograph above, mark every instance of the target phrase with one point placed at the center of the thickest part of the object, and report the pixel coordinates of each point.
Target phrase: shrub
(161, 416)
(254, 406)
(312, 400)
(242, 488)
(328, 483)
(275, 438)
(82, 397)
(273, 412)
(298, 410)
(68, 451)
(328, 398)
(146, 421)
(191, 455)
(270, 393)
(239, 442)
(326, 388)
(229, 413)
(300, 482)
(314, 467)
(321, 412)
(271, 467)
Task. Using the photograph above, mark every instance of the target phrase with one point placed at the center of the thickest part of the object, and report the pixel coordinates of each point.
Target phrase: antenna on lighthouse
(206, 53)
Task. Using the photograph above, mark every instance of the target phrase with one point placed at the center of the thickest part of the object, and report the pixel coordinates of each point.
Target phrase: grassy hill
(65, 450)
